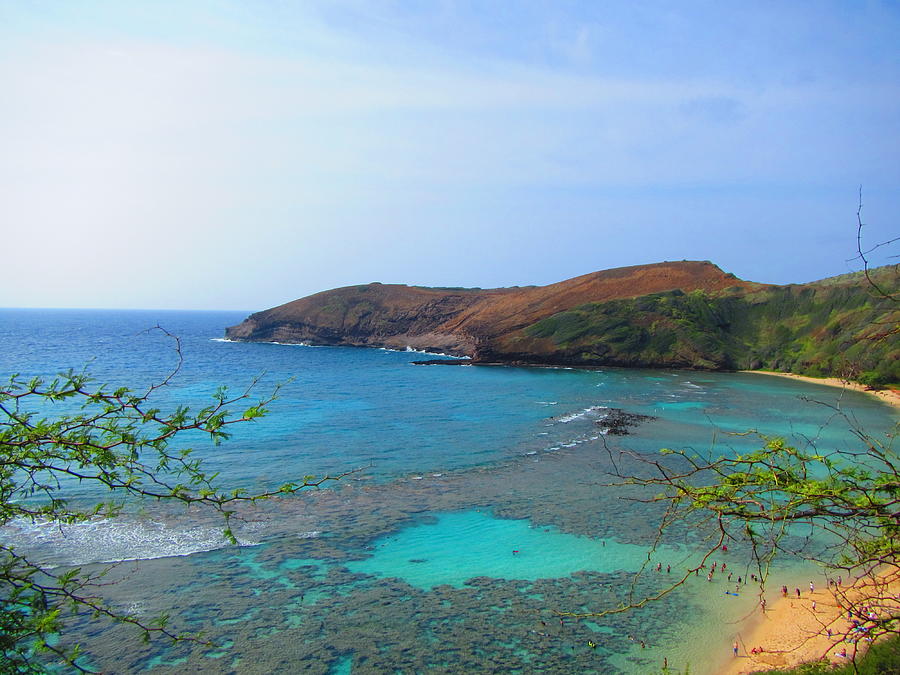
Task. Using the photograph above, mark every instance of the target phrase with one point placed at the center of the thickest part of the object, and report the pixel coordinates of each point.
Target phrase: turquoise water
(408, 564)
(457, 547)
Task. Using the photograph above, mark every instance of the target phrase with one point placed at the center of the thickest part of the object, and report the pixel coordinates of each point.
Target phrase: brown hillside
(500, 313)
(459, 320)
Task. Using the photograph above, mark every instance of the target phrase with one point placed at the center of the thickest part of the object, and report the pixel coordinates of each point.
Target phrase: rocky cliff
(674, 314)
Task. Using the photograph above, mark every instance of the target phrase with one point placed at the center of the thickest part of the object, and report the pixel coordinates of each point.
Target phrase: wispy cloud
(302, 121)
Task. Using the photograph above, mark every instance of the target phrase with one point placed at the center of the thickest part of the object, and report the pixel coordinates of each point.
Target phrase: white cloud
(129, 154)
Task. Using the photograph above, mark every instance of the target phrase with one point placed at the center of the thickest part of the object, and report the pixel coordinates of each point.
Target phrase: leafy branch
(118, 441)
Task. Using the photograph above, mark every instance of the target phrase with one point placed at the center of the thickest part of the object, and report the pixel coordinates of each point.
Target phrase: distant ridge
(687, 314)
(457, 321)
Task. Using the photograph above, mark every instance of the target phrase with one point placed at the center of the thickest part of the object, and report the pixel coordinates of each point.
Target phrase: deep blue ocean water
(406, 565)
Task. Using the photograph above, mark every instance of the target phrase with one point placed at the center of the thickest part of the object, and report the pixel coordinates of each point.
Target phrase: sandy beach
(795, 630)
(889, 396)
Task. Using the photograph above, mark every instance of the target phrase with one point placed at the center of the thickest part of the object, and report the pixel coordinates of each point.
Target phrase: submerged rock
(617, 422)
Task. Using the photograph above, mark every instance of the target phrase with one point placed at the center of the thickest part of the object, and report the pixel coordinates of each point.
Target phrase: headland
(682, 315)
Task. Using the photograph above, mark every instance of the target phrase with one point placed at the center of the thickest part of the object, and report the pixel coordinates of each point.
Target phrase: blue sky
(238, 155)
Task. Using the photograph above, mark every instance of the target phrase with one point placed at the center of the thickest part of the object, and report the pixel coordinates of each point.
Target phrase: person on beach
(812, 588)
(798, 593)
(734, 648)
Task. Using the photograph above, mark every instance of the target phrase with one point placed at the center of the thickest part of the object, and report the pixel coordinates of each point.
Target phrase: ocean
(477, 507)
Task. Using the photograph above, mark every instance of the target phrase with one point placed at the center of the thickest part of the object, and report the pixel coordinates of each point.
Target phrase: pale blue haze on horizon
(213, 155)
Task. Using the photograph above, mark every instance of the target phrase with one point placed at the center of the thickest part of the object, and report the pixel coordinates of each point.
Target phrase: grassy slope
(835, 327)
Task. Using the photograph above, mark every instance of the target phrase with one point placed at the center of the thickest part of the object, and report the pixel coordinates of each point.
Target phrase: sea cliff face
(675, 314)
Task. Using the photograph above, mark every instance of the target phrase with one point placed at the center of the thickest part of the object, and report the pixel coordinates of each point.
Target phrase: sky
(237, 155)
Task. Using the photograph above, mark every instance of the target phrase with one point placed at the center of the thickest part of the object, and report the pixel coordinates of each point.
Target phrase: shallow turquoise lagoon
(458, 547)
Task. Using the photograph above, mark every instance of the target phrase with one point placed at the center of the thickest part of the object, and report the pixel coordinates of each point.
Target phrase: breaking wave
(268, 342)
(594, 410)
(105, 540)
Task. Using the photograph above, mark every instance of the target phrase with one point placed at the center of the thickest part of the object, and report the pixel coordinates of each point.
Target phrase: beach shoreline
(889, 396)
(792, 630)
(795, 629)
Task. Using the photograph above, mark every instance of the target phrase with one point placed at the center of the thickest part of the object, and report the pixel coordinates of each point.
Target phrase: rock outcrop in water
(673, 314)
(617, 422)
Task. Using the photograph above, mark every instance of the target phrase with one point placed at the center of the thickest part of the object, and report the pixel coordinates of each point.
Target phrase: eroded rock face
(375, 315)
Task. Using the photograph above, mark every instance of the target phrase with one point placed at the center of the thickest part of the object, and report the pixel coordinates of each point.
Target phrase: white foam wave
(422, 351)
(570, 417)
(570, 443)
(103, 540)
(269, 342)
(290, 344)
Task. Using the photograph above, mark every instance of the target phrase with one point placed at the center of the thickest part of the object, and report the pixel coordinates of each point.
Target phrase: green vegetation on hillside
(837, 327)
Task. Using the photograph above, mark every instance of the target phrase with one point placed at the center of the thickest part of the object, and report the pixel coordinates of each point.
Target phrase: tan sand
(790, 632)
(889, 396)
